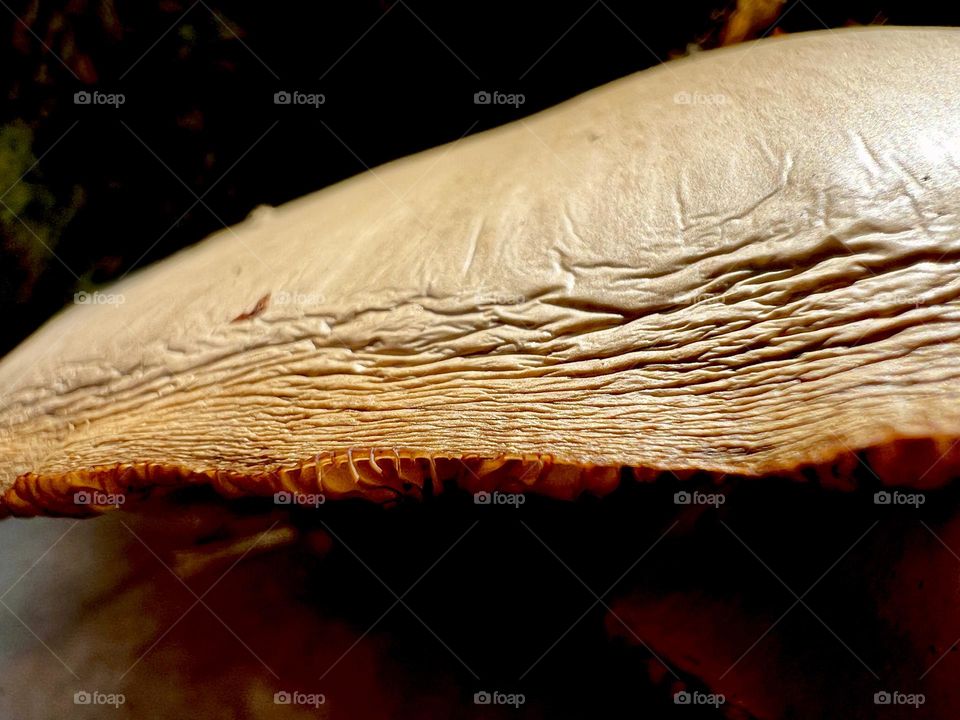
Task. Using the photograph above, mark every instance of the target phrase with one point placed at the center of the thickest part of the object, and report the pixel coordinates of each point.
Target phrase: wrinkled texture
(740, 262)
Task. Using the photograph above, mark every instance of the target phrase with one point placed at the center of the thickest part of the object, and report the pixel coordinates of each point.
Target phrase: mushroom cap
(744, 262)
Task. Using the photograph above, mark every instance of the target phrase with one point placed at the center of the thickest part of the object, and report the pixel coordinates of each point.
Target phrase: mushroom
(742, 263)
(738, 264)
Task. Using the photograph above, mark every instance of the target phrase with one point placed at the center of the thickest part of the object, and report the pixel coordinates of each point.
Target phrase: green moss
(31, 220)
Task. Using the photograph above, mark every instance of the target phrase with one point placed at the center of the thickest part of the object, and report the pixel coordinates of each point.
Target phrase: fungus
(742, 264)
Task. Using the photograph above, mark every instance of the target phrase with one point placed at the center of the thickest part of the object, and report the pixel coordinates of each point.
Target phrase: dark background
(105, 191)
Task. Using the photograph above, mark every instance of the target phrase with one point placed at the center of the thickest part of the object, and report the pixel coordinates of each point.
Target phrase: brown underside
(386, 475)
